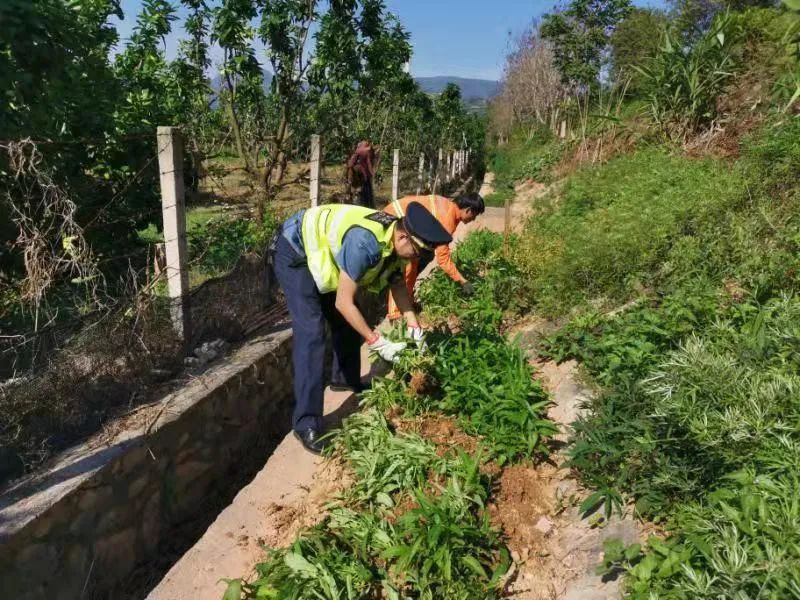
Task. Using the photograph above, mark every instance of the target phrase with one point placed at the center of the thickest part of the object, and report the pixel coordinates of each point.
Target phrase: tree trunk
(237, 132)
(277, 152)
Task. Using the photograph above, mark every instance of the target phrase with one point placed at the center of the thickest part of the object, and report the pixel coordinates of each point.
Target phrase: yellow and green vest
(324, 228)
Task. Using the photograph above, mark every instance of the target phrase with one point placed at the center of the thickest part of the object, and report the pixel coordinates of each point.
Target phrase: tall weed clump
(683, 83)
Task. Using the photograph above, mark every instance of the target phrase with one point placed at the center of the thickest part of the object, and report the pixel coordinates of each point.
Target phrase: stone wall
(105, 506)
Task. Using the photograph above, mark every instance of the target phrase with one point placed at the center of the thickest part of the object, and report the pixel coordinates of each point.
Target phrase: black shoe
(344, 387)
(310, 438)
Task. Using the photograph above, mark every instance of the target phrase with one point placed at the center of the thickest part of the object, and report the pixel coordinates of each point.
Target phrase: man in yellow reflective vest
(450, 213)
(322, 256)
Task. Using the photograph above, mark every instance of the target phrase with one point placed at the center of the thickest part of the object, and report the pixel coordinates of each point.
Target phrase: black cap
(424, 228)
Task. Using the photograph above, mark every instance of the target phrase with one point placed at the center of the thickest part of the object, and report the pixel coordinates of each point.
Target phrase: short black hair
(473, 201)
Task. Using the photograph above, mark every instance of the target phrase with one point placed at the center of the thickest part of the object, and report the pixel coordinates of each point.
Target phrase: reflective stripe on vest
(324, 228)
(401, 213)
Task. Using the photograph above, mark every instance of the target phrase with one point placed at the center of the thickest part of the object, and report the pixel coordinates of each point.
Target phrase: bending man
(450, 213)
(322, 256)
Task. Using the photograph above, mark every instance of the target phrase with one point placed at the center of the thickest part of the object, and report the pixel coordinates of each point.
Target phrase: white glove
(417, 335)
(387, 350)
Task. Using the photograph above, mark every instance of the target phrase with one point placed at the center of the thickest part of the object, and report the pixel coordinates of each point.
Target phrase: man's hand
(387, 350)
(467, 289)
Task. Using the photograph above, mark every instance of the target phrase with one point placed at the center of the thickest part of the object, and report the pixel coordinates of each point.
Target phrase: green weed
(610, 236)
(413, 524)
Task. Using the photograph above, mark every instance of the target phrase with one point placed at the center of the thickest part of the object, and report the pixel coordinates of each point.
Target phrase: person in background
(361, 172)
(450, 213)
(321, 257)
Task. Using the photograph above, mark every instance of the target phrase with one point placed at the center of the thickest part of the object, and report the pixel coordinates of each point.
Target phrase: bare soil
(521, 503)
(330, 480)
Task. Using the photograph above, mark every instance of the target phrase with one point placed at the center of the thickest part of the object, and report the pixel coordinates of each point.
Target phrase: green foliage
(330, 561)
(483, 378)
(634, 41)
(498, 284)
(523, 158)
(385, 464)
(623, 350)
(447, 548)
(618, 556)
(580, 35)
(742, 542)
(215, 246)
(612, 232)
(414, 523)
(683, 83)
(695, 416)
(791, 82)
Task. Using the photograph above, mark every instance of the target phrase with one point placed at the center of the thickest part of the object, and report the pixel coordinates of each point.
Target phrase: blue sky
(465, 38)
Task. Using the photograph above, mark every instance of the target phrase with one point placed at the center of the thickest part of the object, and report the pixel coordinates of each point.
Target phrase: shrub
(683, 83)
(216, 246)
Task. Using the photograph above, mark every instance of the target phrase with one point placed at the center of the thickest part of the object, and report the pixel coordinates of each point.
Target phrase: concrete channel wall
(105, 506)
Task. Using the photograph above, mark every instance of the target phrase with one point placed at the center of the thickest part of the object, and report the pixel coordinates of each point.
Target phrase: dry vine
(49, 238)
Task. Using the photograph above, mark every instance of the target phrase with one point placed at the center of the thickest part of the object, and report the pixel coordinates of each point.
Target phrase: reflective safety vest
(431, 207)
(324, 228)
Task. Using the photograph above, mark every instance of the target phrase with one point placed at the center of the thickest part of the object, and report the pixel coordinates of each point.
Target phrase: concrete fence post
(173, 208)
(563, 133)
(396, 175)
(439, 164)
(315, 166)
(420, 173)
(452, 165)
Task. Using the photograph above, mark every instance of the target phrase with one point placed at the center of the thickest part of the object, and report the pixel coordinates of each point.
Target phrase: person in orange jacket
(450, 213)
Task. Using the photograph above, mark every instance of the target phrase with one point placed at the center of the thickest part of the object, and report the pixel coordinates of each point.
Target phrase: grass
(611, 233)
(524, 157)
(695, 419)
(414, 521)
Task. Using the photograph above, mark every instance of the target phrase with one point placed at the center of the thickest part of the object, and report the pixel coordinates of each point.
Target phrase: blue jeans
(309, 311)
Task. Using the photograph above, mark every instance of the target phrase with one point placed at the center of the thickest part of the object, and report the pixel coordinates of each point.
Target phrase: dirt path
(554, 549)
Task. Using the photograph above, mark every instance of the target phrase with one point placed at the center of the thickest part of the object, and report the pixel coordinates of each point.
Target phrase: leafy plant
(683, 83)
(216, 246)
(445, 549)
(385, 464)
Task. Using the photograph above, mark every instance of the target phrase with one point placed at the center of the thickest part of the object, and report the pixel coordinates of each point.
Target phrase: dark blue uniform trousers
(309, 311)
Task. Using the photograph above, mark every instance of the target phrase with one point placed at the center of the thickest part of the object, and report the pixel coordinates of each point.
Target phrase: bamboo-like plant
(683, 83)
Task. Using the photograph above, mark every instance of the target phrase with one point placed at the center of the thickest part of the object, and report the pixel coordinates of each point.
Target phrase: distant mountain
(471, 89)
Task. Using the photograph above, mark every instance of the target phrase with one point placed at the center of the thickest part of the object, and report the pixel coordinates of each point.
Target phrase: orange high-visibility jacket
(446, 212)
